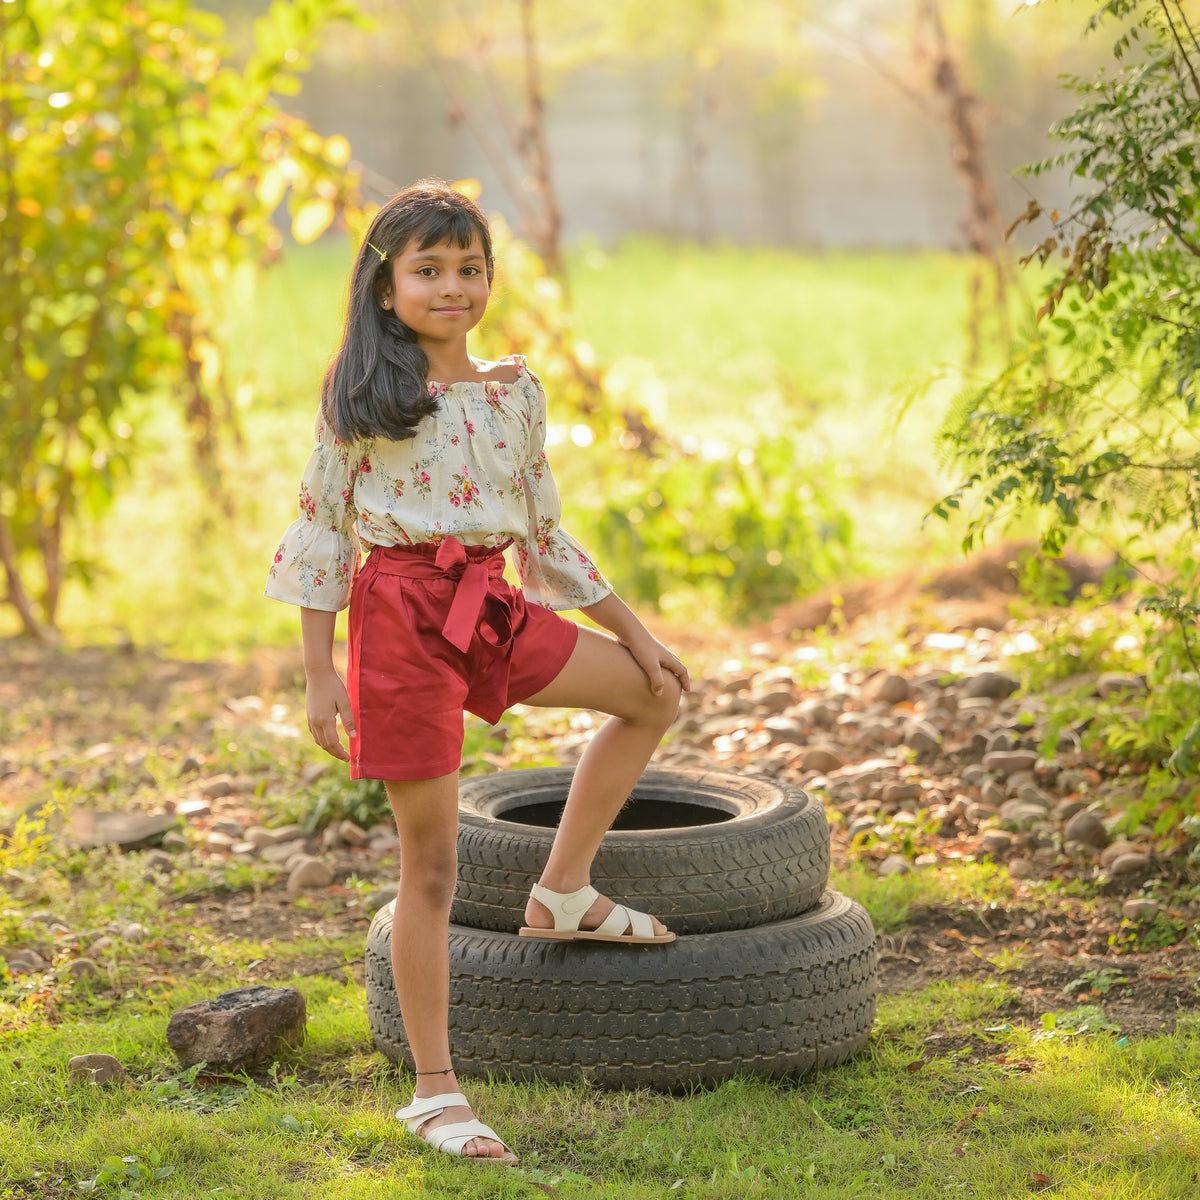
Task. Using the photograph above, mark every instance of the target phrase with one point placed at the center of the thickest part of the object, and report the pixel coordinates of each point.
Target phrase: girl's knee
(664, 707)
(429, 878)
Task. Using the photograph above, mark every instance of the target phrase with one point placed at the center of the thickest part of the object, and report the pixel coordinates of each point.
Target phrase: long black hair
(377, 383)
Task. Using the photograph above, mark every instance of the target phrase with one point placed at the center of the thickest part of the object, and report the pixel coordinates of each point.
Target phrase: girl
(434, 461)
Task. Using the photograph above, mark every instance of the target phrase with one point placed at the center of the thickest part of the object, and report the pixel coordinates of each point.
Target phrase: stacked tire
(771, 974)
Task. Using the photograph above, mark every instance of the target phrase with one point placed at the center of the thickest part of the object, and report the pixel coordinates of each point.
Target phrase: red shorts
(436, 629)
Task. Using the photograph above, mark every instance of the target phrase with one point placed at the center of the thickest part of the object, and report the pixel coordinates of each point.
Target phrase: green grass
(1095, 1117)
(743, 340)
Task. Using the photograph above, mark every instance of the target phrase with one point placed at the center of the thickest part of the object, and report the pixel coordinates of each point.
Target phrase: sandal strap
(567, 908)
(423, 1108)
(621, 918)
(452, 1138)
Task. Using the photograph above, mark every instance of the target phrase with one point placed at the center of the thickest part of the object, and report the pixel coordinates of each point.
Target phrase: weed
(1097, 980)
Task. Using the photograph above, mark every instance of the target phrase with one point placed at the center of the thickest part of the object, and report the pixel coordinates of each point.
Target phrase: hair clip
(382, 256)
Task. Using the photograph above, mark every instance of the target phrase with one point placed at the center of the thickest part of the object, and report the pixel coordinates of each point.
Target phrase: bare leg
(426, 812)
(601, 674)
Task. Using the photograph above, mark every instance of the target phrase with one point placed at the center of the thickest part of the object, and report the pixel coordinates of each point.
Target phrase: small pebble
(1020, 868)
(1139, 909)
(98, 1069)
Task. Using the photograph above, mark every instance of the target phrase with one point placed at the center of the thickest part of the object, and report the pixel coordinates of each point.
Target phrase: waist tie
(472, 567)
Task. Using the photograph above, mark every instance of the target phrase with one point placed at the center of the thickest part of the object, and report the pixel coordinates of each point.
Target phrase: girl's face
(440, 292)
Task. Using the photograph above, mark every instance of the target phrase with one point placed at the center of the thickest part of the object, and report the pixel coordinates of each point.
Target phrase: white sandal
(451, 1138)
(568, 909)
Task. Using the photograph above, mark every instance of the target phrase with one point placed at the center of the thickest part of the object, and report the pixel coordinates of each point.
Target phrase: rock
(102, 943)
(897, 793)
(216, 787)
(311, 772)
(1129, 864)
(823, 715)
(384, 842)
(193, 807)
(218, 841)
(1139, 909)
(246, 851)
(189, 766)
(774, 703)
(381, 896)
(993, 794)
(861, 825)
(1064, 810)
(1111, 683)
(1116, 849)
(330, 838)
(134, 931)
(307, 875)
(922, 738)
(783, 729)
(973, 775)
(1068, 742)
(1021, 815)
(894, 864)
(821, 758)
(1020, 868)
(732, 687)
(239, 1028)
(158, 862)
(282, 851)
(992, 685)
(352, 834)
(1087, 828)
(25, 962)
(82, 968)
(99, 1069)
(233, 829)
(999, 739)
(1032, 794)
(174, 840)
(891, 689)
(87, 829)
(995, 842)
(1046, 770)
(1009, 762)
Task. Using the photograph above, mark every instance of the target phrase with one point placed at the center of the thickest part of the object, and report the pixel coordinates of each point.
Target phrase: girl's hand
(326, 699)
(654, 658)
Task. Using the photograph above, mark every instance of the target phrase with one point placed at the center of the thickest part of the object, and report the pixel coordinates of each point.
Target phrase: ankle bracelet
(447, 1071)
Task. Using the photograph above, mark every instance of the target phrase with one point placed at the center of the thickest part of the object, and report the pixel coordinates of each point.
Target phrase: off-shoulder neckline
(518, 361)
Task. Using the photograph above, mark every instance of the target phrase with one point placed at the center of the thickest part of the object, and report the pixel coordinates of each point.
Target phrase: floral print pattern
(476, 469)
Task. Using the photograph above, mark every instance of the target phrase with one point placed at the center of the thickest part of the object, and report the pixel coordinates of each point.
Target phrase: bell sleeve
(314, 563)
(555, 570)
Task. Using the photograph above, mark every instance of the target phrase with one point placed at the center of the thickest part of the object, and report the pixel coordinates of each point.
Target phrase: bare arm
(326, 697)
(652, 656)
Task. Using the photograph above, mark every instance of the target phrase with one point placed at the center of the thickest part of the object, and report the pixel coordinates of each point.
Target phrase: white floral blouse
(476, 469)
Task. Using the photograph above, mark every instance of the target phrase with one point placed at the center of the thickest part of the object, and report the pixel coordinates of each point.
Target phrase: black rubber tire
(776, 1001)
(763, 858)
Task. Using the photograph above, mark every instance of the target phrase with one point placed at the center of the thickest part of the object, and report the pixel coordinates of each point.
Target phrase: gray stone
(897, 793)
(923, 738)
(352, 834)
(381, 896)
(861, 825)
(1129, 864)
(1064, 810)
(894, 864)
(1068, 742)
(384, 842)
(189, 766)
(26, 962)
(1009, 762)
(821, 758)
(259, 836)
(311, 772)
(1112, 683)
(1020, 868)
(216, 787)
(783, 729)
(994, 685)
(174, 840)
(280, 852)
(974, 775)
(87, 829)
(999, 739)
(82, 968)
(308, 874)
(158, 860)
(239, 1028)
(330, 838)
(99, 1069)
(995, 842)
(234, 829)
(1032, 794)
(218, 841)
(823, 715)
(1021, 815)
(774, 703)
(1139, 909)
(134, 931)
(1116, 849)
(244, 850)
(892, 689)
(103, 942)
(993, 794)
(1046, 770)
(1087, 828)
(193, 807)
